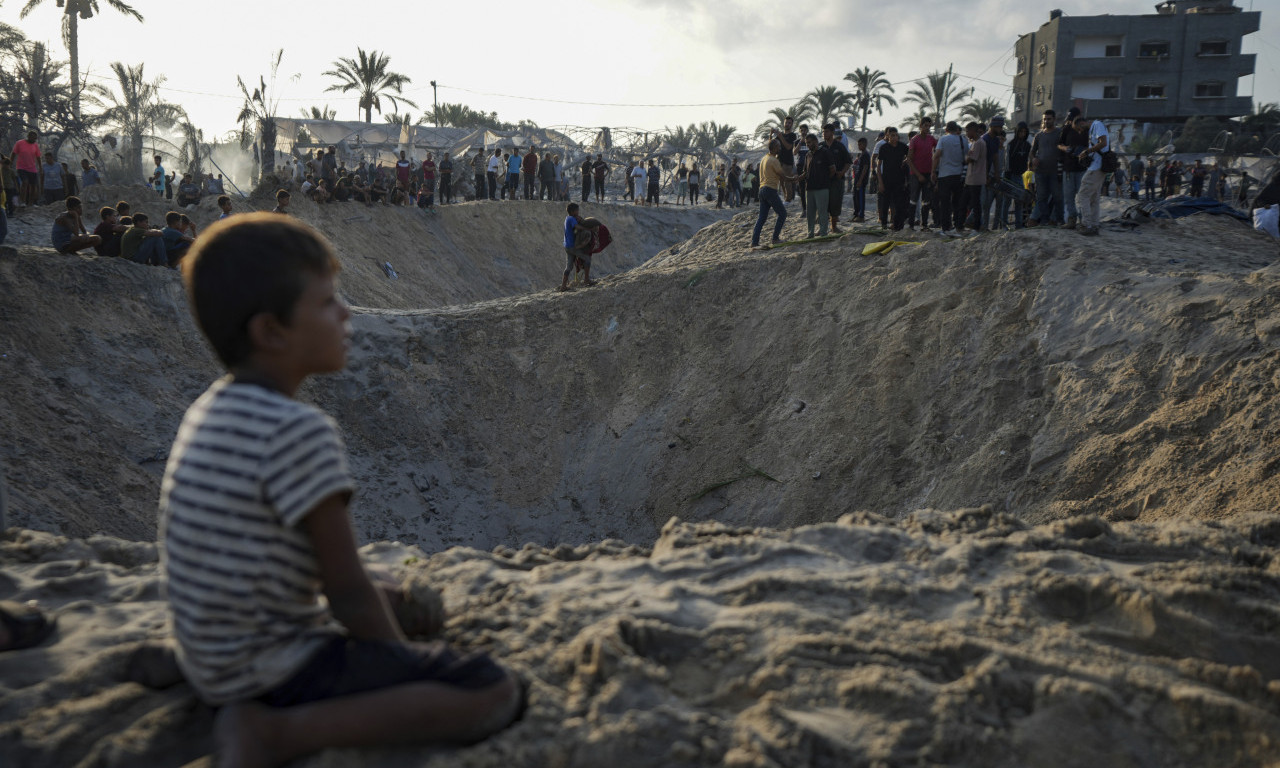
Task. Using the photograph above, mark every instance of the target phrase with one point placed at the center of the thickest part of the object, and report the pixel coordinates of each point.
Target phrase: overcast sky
(523, 58)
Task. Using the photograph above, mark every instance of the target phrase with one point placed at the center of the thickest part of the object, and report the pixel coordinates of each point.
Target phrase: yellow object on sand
(884, 246)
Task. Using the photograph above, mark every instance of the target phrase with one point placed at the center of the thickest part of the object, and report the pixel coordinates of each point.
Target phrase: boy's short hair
(106, 211)
(282, 194)
(249, 264)
(140, 217)
(223, 199)
(172, 218)
(572, 208)
(122, 206)
(126, 220)
(73, 203)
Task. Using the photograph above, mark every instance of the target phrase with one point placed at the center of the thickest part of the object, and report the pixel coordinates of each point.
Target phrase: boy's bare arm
(354, 600)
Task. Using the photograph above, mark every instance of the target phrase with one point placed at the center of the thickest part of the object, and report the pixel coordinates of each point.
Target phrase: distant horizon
(733, 61)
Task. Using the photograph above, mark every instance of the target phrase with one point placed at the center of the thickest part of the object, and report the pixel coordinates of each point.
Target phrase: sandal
(27, 626)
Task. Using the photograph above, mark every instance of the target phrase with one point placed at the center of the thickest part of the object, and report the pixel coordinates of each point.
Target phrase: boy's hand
(354, 600)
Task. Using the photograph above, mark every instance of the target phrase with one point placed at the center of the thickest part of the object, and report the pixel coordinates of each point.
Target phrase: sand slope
(783, 388)
(961, 639)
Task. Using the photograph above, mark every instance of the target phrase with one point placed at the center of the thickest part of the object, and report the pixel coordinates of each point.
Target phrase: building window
(1017, 101)
(1042, 56)
(1022, 64)
(1110, 91)
(1154, 49)
(1213, 48)
(1210, 90)
(1039, 95)
(1151, 91)
(1114, 51)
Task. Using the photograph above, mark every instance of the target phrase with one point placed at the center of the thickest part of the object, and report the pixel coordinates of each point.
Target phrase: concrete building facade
(1159, 68)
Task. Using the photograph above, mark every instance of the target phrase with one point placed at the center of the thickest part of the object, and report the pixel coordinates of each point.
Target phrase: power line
(616, 104)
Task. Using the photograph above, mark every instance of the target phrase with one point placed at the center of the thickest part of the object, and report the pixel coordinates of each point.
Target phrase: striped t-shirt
(243, 585)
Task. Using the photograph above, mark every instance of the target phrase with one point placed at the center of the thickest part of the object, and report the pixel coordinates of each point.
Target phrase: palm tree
(320, 113)
(709, 136)
(194, 149)
(259, 111)
(829, 103)
(395, 118)
(73, 11)
(370, 77)
(913, 122)
(1264, 119)
(937, 94)
(138, 111)
(871, 90)
(982, 110)
(1145, 144)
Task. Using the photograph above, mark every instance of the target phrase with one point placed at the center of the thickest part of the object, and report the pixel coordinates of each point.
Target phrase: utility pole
(435, 106)
(946, 92)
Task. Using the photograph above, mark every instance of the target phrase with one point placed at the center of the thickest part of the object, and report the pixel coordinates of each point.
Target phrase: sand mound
(783, 388)
(458, 254)
(963, 639)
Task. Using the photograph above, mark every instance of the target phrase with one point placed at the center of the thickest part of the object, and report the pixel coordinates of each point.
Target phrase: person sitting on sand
(283, 198)
(142, 244)
(578, 235)
(188, 191)
(69, 234)
(178, 234)
(109, 230)
(252, 474)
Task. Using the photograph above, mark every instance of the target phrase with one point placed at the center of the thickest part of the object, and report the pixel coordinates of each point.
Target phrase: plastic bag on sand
(1268, 220)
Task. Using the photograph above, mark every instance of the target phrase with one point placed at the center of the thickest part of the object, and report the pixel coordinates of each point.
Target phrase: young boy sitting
(254, 528)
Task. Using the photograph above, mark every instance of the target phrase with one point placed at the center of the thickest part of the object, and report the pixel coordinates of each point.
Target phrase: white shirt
(1098, 131)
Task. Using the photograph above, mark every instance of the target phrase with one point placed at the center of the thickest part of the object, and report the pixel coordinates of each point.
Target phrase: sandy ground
(1000, 501)
(960, 639)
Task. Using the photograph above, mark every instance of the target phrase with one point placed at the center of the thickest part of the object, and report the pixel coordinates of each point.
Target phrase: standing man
(329, 168)
(478, 166)
(654, 175)
(530, 167)
(786, 156)
(586, 177)
(427, 194)
(54, 189)
(1044, 163)
(157, 177)
(861, 174)
(948, 178)
(514, 162)
(600, 171)
(891, 166)
(1071, 143)
(26, 160)
(493, 169)
(920, 151)
(446, 179)
(1091, 181)
(841, 161)
(819, 168)
(772, 176)
(547, 178)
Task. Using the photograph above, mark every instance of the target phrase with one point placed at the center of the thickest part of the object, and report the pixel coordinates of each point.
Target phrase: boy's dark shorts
(344, 666)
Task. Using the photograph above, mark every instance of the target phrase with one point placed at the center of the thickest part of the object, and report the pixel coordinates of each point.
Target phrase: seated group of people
(128, 235)
(352, 186)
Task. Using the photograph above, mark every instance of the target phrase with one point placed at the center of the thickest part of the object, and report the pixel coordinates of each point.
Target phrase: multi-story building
(1152, 69)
